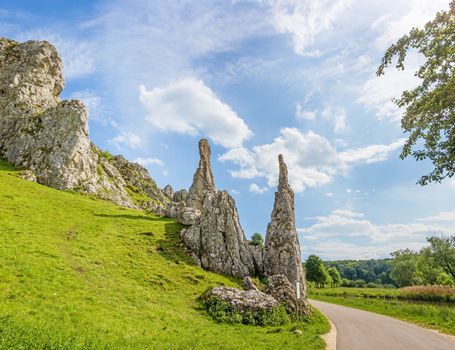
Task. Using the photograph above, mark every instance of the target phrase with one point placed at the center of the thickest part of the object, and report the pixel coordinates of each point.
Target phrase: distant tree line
(433, 264)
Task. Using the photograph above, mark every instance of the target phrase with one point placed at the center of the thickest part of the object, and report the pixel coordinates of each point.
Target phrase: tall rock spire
(215, 239)
(282, 248)
(203, 177)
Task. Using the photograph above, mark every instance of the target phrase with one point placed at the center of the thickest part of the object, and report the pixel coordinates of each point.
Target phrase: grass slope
(79, 273)
(440, 316)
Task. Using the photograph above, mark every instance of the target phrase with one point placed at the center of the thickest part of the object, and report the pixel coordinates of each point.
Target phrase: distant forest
(360, 273)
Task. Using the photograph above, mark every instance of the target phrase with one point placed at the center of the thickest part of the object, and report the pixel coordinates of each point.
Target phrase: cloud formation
(190, 107)
(379, 240)
(304, 20)
(311, 158)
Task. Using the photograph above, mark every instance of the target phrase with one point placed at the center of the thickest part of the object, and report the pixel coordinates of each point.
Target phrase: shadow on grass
(173, 249)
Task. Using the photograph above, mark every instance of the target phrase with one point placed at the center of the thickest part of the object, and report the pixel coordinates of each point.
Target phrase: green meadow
(81, 273)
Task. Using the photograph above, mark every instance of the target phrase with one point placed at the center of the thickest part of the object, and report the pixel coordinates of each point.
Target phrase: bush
(223, 312)
(257, 239)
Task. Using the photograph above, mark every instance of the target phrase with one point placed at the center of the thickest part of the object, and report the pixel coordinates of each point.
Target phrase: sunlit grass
(79, 273)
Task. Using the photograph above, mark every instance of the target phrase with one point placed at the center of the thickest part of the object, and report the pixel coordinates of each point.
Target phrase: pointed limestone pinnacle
(203, 177)
(283, 173)
(282, 248)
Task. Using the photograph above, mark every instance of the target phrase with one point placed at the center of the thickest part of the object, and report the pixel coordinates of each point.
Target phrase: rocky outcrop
(168, 191)
(282, 249)
(215, 239)
(49, 137)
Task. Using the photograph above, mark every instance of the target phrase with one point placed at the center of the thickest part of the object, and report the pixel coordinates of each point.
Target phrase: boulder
(244, 301)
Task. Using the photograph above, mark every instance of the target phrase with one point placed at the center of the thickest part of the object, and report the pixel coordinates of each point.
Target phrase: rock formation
(282, 249)
(244, 301)
(202, 179)
(215, 239)
(49, 138)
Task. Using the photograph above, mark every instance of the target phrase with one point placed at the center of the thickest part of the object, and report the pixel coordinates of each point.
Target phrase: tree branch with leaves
(429, 115)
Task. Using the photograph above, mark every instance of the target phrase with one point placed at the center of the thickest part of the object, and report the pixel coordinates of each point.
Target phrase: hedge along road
(361, 330)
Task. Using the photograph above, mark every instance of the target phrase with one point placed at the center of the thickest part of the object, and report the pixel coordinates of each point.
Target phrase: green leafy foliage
(316, 272)
(334, 276)
(257, 239)
(429, 115)
(356, 272)
(222, 311)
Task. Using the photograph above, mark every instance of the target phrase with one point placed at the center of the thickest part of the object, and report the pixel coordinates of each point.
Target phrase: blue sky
(257, 78)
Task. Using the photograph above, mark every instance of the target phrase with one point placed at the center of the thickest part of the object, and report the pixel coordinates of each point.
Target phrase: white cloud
(93, 103)
(305, 20)
(337, 115)
(312, 160)
(127, 139)
(393, 27)
(370, 154)
(148, 161)
(302, 114)
(441, 216)
(329, 194)
(377, 92)
(188, 106)
(378, 240)
(256, 189)
(345, 223)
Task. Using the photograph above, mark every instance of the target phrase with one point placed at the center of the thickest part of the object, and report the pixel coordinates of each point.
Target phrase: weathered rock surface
(202, 179)
(180, 196)
(245, 301)
(49, 137)
(282, 249)
(185, 215)
(168, 191)
(248, 284)
(282, 290)
(215, 239)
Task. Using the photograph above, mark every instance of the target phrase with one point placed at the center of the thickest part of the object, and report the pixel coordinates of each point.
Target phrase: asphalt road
(362, 330)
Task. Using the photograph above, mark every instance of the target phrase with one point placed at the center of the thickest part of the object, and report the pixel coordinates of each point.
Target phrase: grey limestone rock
(282, 248)
(168, 191)
(282, 290)
(50, 137)
(180, 196)
(244, 301)
(248, 284)
(215, 240)
(203, 177)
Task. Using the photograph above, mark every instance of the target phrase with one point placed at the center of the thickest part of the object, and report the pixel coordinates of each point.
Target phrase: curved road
(362, 330)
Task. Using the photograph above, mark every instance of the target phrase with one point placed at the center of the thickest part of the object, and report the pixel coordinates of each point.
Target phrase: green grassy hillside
(80, 273)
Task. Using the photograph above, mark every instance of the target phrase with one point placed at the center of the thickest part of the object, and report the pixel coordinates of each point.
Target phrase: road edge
(330, 338)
